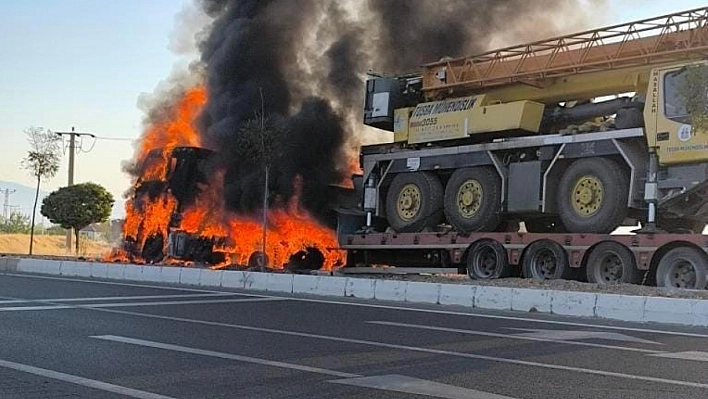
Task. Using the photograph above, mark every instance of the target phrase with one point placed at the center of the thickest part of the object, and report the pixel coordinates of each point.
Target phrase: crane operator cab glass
(677, 115)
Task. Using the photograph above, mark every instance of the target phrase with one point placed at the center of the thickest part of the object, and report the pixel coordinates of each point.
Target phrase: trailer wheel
(487, 260)
(473, 199)
(545, 260)
(592, 196)
(611, 263)
(414, 201)
(682, 267)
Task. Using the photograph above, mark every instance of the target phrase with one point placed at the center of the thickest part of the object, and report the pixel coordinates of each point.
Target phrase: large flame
(290, 229)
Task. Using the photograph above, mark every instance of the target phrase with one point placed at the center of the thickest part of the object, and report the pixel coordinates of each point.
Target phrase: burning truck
(177, 211)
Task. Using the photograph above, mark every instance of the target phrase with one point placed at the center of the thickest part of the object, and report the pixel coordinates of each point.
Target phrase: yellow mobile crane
(576, 135)
(556, 157)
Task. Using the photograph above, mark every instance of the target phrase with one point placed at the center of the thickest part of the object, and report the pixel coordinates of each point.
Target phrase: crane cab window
(674, 106)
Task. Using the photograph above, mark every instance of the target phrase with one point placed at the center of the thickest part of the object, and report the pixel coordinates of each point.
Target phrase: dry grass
(49, 245)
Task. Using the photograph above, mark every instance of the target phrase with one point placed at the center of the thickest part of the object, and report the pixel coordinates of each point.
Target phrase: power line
(6, 203)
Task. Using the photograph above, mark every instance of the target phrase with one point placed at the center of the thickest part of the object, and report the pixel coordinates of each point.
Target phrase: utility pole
(72, 152)
(6, 204)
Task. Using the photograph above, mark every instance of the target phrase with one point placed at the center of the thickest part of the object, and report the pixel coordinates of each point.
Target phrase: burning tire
(309, 259)
(592, 196)
(683, 267)
(257, 260)
(611, 263)
(545, 260)
(414, 202)
(473, 199)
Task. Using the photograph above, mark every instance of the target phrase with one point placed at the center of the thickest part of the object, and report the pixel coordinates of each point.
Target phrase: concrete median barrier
(631, 308)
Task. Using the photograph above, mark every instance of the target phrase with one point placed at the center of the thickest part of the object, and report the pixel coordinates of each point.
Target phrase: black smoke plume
(303, 63)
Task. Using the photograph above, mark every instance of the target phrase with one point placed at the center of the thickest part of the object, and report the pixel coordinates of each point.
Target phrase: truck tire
(545, 260)
(682, 267)
(592, 196)
(487, 260)
(414, 201)
(473, 199)
(611, 263)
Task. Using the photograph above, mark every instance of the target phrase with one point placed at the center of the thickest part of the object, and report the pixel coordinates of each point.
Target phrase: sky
(85, 63)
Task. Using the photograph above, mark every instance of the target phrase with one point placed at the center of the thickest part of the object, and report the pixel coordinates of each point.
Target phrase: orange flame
(289, 229)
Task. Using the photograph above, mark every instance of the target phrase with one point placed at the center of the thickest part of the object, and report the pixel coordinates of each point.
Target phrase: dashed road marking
(418, 349)
(539, 338)
(100, 385)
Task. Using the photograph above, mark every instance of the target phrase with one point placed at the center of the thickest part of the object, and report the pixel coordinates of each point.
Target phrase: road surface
(74, 338)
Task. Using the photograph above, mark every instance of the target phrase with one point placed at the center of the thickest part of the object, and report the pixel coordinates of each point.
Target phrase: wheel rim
(408, 204)
(587, 195)
(610, 268)
(545, 264)
(485, 262)
(469, 198)
(682, 274)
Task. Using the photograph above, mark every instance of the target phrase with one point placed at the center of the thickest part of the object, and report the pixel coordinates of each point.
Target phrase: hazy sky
(84, 63)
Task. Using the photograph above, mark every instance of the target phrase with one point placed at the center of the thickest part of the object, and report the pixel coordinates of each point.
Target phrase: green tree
(42, 161)
(16, 223)
(77, 206)
(260, 142)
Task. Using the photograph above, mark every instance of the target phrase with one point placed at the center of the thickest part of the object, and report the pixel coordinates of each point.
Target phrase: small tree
(16, 223)
(42, 161)
(260, 141)
(77, 206)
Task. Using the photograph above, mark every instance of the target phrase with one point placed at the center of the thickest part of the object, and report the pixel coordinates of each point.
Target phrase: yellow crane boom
(599, 62)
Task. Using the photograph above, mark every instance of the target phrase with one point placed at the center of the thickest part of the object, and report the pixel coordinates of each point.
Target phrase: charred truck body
(573, 136)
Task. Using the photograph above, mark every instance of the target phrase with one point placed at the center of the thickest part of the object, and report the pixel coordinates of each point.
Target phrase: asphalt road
(71, 338)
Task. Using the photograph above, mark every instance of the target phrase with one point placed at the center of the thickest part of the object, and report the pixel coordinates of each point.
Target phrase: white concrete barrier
(115, 271)
(100, 270)
(149, 273)
(421, 292)
(611, 306)
(236, 279)
(390, 290)
(457, 294)
(498, 298)
(190, 276)
(133, 272)
(525, 300)
(211, 278)
(35, 266)
(362, 288)
(573, 303)
(170, 274)
(669, 310)
(622, 307)
(701, 314)
(319, 285)
(279, 282)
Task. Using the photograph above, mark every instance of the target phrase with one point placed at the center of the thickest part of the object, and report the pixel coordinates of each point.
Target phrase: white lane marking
(137, 297)
(499, 317)
(73, 379)
(115, 298)
(78, 280)
(223, 355)
(566, 335)
(691, 355)
(514, 336)
(390, 307)
(133, 304)
(416, 349)
(417, 386)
